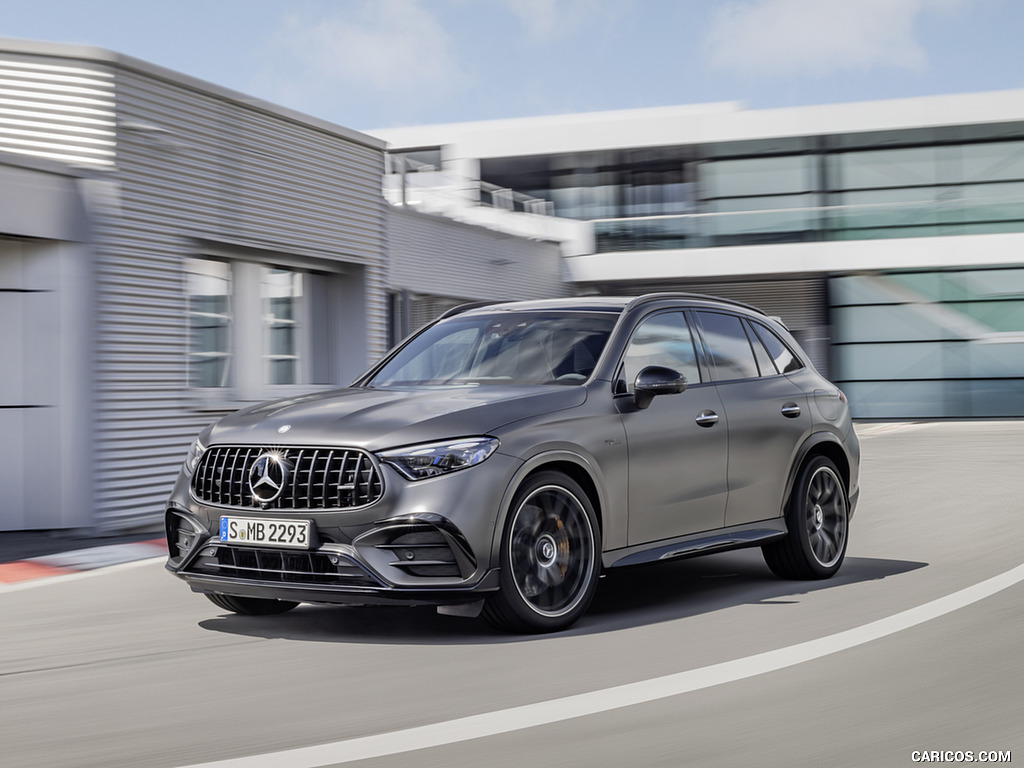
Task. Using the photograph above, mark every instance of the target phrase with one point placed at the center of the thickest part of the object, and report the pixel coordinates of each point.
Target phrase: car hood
(376, 419)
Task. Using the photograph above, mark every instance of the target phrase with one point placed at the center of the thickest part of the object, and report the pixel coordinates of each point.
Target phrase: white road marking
(18, 586)
(583, 704)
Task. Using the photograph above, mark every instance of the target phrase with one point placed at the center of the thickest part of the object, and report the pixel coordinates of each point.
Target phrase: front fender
(556, 458)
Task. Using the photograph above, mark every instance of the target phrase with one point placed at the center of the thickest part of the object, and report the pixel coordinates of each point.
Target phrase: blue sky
(381, 63)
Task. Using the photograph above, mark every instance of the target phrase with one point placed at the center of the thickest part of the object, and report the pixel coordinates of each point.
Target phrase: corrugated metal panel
(425, 309)
(197, 169)
(478, 263)
(60, 111)
(376, 311)
(246, 176)
(801, 303)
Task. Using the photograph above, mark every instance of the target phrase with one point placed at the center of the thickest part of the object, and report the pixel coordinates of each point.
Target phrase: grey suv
(502, 457)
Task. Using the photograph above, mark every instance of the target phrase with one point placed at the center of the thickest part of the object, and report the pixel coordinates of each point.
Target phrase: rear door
(768, 415)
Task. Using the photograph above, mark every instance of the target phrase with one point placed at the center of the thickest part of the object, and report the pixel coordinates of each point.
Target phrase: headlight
(195, 453)
(418, 462)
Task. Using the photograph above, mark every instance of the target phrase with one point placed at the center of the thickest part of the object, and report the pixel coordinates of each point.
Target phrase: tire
(817, 519)
(251, 606)
(550, 558)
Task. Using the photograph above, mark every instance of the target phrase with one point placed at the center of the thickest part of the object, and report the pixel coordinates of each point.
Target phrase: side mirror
(656, 380)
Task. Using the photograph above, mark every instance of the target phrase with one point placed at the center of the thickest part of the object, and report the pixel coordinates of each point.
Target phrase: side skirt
(753, 535)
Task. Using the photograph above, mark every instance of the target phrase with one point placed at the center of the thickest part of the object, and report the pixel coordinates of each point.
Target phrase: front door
(678, 445)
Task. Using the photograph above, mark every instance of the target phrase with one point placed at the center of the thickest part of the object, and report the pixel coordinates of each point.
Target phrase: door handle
(791, 410)
(706, 419)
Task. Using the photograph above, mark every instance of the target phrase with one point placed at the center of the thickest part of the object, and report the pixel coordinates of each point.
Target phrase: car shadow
(626, 598)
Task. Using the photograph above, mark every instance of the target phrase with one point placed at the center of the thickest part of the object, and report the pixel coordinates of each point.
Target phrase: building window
(282, 298)
(759, 200)
(209, 323)
(933, 190)
(255, 328)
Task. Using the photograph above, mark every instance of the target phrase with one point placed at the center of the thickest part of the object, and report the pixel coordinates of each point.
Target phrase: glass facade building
(906, 183)
(888, 235)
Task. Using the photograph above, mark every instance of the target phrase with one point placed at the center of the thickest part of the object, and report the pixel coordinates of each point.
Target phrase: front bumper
(348, 595)
(425, 542)
(428, 542)
(412, 560)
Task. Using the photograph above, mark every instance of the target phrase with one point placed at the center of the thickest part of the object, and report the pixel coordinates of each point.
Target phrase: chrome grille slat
(340, 483)
(320, 478)
(324, 488)
(355, 476)
(310, 496)
(231, 477)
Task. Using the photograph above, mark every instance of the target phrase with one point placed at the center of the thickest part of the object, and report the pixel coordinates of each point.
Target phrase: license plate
(294, 534)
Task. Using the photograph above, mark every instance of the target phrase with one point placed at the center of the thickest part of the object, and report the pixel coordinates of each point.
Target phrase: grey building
(170, 251)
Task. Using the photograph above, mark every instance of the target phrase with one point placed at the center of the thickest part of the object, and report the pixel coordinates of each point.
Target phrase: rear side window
(782, 356)
(764, 360)
(728, 346)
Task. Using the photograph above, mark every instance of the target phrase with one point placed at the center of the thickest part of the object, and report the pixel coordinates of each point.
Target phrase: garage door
(30, 472)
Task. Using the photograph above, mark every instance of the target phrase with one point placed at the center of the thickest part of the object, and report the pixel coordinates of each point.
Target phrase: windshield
(504, 348)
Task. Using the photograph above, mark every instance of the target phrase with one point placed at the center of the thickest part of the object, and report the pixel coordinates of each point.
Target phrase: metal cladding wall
(478, 263)
(59, 109)
(441, 263)
(200, 171)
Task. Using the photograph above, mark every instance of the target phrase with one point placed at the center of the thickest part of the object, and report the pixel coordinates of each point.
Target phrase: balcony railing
(813, 223)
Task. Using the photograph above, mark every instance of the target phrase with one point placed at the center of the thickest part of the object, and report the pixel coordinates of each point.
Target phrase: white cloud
(396, 47)
(547, 20)
(539, 17)
(817, 37)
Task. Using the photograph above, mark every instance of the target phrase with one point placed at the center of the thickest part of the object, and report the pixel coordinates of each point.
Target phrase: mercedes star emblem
(267, 477)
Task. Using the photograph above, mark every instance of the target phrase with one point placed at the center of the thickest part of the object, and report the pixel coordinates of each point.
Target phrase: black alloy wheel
(817, 518)
(550, 559)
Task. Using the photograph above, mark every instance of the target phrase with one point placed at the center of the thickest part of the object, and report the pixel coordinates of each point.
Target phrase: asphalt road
(126, 667)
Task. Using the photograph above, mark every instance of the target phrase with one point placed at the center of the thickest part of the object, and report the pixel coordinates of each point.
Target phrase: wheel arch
(568, 463)
(819, 444)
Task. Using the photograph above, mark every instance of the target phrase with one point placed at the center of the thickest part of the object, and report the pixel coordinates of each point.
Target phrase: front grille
(316, 478)
(281, 566)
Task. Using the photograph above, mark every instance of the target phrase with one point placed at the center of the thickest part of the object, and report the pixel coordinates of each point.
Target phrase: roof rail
(466, 307)
(647, 298)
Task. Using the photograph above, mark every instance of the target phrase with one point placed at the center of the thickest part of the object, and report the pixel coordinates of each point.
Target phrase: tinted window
(664, 340)
(785, 360)
(728, 345)
(503, 348)
(764, 360)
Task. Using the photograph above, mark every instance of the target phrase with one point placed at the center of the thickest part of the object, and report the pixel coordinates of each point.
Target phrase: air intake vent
(308, 568)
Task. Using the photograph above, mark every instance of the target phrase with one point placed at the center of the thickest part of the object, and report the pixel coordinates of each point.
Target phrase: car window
(764, 360)
(505, 348)
(728, 346)
(444, 359)
(782, 355)
(664, 340)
